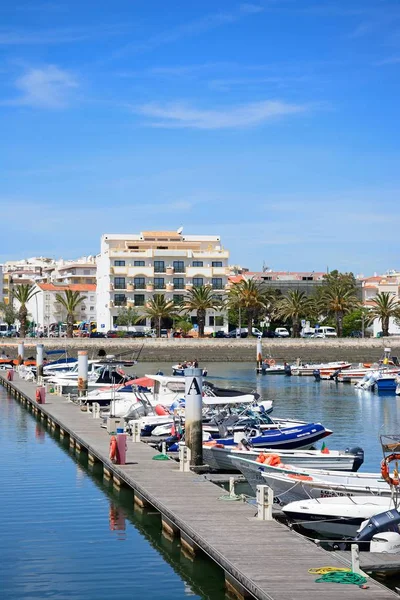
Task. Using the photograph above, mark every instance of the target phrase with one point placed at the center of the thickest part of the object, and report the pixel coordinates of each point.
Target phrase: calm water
(356, 417)
(65, 534)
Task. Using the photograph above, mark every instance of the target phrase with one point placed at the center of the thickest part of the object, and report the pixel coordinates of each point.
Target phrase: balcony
(119, 270)
(220, 271)
(144, 271)
(205, 272)
(159, 286)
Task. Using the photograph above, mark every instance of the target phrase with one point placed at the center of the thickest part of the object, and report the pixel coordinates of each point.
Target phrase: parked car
(282, 332)
(97, 334)
(235, 333)
(324, 332)
(268, 334)
(112, 333)
(164, 333)
(219, 334)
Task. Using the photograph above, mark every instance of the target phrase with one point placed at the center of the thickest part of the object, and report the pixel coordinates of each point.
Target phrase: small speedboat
(179, 370)
(338, 516)
(223, 458)
(329, 367)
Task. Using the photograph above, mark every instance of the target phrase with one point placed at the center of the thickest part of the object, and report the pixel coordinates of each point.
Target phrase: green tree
(355, 321)
(384, 306)
(250, 296)
(293, 307)
(127, 317)
(159, 308)
(183, 325)
(70, 301)
(340, 299)
(8, 313)
(23, 293)
(201, 299)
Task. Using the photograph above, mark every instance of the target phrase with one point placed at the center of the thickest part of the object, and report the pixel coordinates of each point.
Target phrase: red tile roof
(235, 278)
(74, 287)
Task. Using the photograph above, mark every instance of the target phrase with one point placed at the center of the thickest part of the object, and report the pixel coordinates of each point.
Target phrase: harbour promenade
(260, 559)
(209, 350)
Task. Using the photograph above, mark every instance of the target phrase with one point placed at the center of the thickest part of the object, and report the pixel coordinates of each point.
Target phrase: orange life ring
(271, 362)
(113, 449)
(38, 396)
(385, 470)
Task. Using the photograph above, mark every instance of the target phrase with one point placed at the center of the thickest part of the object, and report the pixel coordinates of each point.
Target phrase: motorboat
(221, 458)
(179, 370)
(338, 516)
(100, 376)
(321, 483)
(329, 367)
(281, 434)
(269, 367)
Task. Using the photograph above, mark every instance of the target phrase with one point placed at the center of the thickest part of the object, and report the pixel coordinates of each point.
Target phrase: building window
(139, 299)
(139, 283)
(307, 278)
(91, 308)
(91, 298)
(119, 283)
(159, 283)
(86, 271)
(216, 283)
(159, 266)
(177, 298)
(216, 263)
(119, 263)
(138, 263)
(119, 300)
(142, 322)
(211, 320)
(179, 266)
(219, 321)
(179, 283)
(197, 263)
(88, 280)
(197, 281)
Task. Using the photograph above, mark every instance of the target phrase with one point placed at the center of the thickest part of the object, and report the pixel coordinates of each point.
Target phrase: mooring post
(259, 354)
(194, 415)
(265, 499)
(21, 353)
(82, 372)
(39, 362)
(135, 431)
(355, 559)
(231, 487)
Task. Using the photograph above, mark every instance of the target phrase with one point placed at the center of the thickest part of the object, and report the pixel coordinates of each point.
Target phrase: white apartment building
(45, 310)
(132, 268)
(377, 284)
(79, 271)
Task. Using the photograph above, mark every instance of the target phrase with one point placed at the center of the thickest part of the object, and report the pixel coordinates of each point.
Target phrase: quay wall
(216, 350)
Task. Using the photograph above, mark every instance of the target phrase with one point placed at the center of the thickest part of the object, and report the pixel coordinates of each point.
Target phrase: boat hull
(287, 438)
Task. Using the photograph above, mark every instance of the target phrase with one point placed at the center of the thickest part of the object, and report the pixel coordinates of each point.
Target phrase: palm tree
(201, 299)
(385, 306)
(23, 293)
(127, 317)
(70, 301)
(250, 296)
(340, 299)
(294, 306)
(159, 308)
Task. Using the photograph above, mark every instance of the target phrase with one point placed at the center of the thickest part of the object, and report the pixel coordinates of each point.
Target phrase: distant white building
(80, 271)
(377, 284)
(132, 268)
(45, 310)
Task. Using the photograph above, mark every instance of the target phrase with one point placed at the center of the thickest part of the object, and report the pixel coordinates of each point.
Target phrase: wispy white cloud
(392, 60)
(190, 29)
(46, 87)
(224, 85)
(181, 115)
(18, 37)
(251, 8)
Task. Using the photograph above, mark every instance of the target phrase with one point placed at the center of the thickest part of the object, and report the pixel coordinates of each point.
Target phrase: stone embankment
(217, 350)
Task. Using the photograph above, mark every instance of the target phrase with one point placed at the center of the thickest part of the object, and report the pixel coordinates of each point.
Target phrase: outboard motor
(317, 374)
(359, 454)
(383, 522)
(388, 541)
(335, 374)
(288, 370)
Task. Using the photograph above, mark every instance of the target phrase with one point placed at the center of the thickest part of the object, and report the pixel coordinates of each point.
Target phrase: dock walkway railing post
(184, 459)
(355, 559)
(39, 363)
(265, 500)
(135, 429)
(82, 372)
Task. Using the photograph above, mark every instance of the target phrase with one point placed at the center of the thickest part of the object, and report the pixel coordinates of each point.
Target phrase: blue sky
(274, 123)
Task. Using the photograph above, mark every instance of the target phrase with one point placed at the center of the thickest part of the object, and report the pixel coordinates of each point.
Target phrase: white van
(281, 332)
(324, 332)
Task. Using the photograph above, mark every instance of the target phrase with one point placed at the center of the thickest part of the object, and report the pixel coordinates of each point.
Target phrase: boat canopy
(143, 381)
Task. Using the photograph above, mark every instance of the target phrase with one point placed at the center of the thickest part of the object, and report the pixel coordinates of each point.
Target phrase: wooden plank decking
(263, 558)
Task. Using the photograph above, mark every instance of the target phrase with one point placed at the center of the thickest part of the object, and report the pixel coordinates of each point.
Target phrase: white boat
(101, 376)
(179, 370)
(308, 369)
(340, 516)
(223, 458)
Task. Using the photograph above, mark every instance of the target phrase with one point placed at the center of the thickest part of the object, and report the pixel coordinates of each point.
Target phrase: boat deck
(261, 559)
